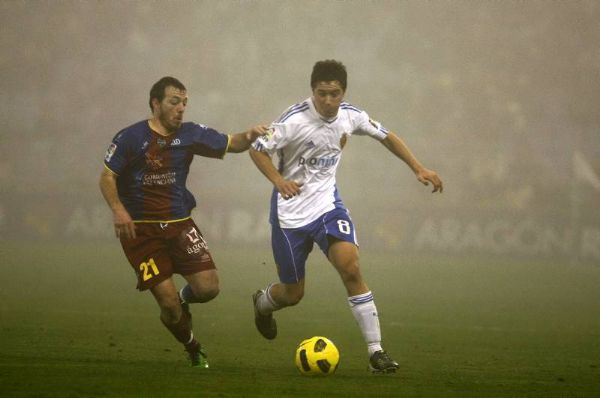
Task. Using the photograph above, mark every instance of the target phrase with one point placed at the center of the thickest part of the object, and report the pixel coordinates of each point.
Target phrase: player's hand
(257, 131)
(426, 176)
(124, 225)
(288, 189)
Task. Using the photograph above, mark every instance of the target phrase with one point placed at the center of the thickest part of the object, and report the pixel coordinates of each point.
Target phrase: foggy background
(500, 98)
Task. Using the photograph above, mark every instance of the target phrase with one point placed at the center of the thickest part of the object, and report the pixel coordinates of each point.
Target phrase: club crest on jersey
(161, 142)
(110, 152)
(154, 162)
(343, 140)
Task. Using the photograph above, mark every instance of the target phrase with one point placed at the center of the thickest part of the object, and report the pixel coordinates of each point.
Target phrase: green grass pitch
(73, 325)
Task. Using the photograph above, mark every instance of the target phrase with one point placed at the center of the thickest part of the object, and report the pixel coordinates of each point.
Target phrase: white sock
(265, 302)
(365, 312)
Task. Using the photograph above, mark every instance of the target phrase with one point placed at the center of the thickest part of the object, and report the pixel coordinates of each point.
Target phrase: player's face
(171, 108)
(327, 97)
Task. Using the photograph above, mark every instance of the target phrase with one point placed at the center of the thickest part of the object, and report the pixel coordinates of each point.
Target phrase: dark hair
(329, 70)
(158, 89)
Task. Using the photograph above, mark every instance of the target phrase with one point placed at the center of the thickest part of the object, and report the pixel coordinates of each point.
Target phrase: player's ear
(155, 104)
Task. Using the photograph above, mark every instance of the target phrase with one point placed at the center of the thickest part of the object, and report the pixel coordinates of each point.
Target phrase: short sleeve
(208, 142)
(115, 158)
(364, 125)
(274, 140)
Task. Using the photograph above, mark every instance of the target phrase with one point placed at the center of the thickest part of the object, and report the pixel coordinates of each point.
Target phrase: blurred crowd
(496, 96)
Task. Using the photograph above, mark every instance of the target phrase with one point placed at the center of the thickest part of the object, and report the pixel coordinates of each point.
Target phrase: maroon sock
(192, 346)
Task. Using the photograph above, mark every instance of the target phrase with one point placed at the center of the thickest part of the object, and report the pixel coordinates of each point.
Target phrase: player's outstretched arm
(263, 162)
(395, 145)
(240, 142)
(122, 220)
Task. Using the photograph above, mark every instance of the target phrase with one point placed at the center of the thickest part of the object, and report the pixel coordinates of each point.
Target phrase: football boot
(265, 324)
(380, 362)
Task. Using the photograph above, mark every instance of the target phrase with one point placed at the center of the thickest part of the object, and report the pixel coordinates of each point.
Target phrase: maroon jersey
(152, 169)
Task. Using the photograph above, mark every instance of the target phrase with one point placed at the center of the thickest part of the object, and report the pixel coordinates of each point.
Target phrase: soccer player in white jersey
(306, 208)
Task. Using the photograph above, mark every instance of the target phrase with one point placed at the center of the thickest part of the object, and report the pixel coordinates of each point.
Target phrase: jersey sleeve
(115, 158)
(274, 140)
(364, 125)
(208, 142)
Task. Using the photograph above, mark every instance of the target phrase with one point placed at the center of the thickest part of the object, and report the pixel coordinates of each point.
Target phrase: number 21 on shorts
(149, 269)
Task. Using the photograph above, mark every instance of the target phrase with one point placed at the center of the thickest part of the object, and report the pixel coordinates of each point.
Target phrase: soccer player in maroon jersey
(144, 183)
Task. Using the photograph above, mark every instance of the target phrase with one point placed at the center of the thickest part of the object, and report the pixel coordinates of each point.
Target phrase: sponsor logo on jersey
(110, 152)
(322, 162)
(175, 142)
(158, 179)
(268, 135)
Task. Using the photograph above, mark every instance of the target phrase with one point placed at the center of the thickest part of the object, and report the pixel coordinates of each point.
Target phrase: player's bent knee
(170, 310)
(205, 294)
(210, 294)
(170, 303)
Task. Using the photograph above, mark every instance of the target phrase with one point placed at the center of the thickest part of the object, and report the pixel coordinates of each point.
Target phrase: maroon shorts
(160, 250)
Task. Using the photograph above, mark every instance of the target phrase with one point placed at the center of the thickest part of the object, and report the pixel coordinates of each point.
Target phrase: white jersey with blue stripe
(309, 148)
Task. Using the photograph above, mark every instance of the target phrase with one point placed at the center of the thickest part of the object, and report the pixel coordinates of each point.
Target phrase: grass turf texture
(72, 324)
